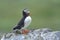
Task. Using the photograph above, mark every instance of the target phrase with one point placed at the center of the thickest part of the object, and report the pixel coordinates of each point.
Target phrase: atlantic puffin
(25, 21)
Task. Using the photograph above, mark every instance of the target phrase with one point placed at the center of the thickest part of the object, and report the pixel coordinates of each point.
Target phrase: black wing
(20, 24)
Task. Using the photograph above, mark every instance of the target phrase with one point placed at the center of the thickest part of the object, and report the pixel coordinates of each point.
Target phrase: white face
(26, 11)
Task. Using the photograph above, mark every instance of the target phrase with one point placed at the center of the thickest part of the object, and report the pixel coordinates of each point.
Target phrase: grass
(44, 13)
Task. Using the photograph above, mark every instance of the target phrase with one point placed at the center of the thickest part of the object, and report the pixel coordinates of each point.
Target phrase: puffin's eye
(26, 11)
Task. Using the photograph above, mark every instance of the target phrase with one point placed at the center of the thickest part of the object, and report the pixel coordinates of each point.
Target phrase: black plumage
(21, 22)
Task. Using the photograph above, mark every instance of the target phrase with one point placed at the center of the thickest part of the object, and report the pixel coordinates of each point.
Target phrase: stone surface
(38, 34)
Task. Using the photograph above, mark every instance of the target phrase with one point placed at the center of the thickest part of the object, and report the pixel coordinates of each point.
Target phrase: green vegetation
(45, 13)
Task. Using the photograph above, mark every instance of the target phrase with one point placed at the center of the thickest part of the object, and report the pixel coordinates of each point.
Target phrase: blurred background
(44, 13)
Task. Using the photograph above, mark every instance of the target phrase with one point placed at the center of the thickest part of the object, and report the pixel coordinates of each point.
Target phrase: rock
(55, 35)
(38, 34)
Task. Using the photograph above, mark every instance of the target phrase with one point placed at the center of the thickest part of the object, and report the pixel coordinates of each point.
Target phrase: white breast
(27, 21)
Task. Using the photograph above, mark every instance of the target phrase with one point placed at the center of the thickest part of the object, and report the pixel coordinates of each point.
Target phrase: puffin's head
(26, 12)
